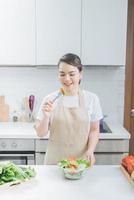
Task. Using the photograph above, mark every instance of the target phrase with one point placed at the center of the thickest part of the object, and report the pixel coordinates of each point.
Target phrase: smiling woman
(69, 77)
(73, 61)
(72, 118)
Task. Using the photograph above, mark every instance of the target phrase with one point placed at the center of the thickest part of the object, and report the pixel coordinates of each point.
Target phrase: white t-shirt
(92, 104)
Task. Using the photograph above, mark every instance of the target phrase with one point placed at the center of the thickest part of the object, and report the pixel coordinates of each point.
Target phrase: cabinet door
(58, 29)
(109, 158)
(39, 158)
(17, 32)
(104, 32)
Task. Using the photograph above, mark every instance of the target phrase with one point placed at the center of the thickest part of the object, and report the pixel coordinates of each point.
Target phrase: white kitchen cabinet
(17, 32)
(58, 29)
(104, 26)
(111, 152)
(40, 150)
(40, 158)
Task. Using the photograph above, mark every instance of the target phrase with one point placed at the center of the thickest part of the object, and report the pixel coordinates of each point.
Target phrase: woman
(72, 118)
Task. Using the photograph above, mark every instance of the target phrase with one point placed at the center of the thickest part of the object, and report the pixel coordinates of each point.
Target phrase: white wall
(107, 82)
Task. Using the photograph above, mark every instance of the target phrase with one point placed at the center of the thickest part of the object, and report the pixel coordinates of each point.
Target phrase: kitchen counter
(26, 130)
(112, 147)
(118, 132)
(98, 183)
(18, 130)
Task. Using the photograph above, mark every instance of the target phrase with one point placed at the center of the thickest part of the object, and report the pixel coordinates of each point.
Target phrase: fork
(61, 92)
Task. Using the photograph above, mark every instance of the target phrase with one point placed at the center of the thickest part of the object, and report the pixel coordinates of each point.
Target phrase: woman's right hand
(47, 108)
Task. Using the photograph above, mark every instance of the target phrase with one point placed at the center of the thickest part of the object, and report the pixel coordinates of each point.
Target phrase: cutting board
(127, 175)
(4, 113)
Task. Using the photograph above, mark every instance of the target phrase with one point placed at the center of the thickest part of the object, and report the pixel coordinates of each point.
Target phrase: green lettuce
(66, 163)
(10, 172)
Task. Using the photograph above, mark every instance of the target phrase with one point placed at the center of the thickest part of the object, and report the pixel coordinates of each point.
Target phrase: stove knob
(3, 144)
(14, 144)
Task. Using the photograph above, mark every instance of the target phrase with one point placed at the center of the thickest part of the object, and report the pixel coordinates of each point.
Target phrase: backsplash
(106, 81)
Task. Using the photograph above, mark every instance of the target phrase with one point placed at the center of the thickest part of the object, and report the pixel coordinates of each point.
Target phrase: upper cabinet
(39, 32)
(58, 29)
(104, 25)
(17, 32)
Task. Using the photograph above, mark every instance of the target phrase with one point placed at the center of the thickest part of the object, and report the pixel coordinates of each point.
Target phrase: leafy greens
(73, 163)
(9, 172)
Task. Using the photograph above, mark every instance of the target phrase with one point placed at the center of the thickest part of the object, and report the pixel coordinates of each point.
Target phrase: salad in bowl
(73, 168)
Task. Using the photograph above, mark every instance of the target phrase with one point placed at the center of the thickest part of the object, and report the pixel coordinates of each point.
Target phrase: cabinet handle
(42, 152)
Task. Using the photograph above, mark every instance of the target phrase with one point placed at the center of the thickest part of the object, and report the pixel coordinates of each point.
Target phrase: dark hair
(71, 59)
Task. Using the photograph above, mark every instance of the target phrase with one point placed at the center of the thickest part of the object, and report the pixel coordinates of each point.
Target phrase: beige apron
(69, 131)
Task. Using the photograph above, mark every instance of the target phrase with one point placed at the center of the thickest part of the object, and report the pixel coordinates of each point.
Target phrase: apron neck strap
(81, 98)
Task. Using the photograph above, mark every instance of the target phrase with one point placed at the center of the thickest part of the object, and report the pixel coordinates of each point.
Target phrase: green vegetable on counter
(9, 172)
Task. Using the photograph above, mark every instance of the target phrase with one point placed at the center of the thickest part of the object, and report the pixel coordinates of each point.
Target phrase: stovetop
(104, 127)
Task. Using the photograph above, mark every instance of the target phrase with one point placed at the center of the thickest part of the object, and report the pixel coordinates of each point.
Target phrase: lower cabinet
(40, 150)
(109, 158)
(108, 151)
(39, 158)
(111, 151)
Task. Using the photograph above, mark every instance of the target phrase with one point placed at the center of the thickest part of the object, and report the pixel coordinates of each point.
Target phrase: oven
(19, 151)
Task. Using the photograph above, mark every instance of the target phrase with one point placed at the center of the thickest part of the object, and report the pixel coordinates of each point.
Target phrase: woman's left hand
(90, 157)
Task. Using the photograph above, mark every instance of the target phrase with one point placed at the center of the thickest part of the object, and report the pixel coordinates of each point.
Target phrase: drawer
(113, 146)
(41, 145)
(109, 158)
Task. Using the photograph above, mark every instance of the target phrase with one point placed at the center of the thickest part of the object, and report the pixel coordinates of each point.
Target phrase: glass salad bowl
(73, 168)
